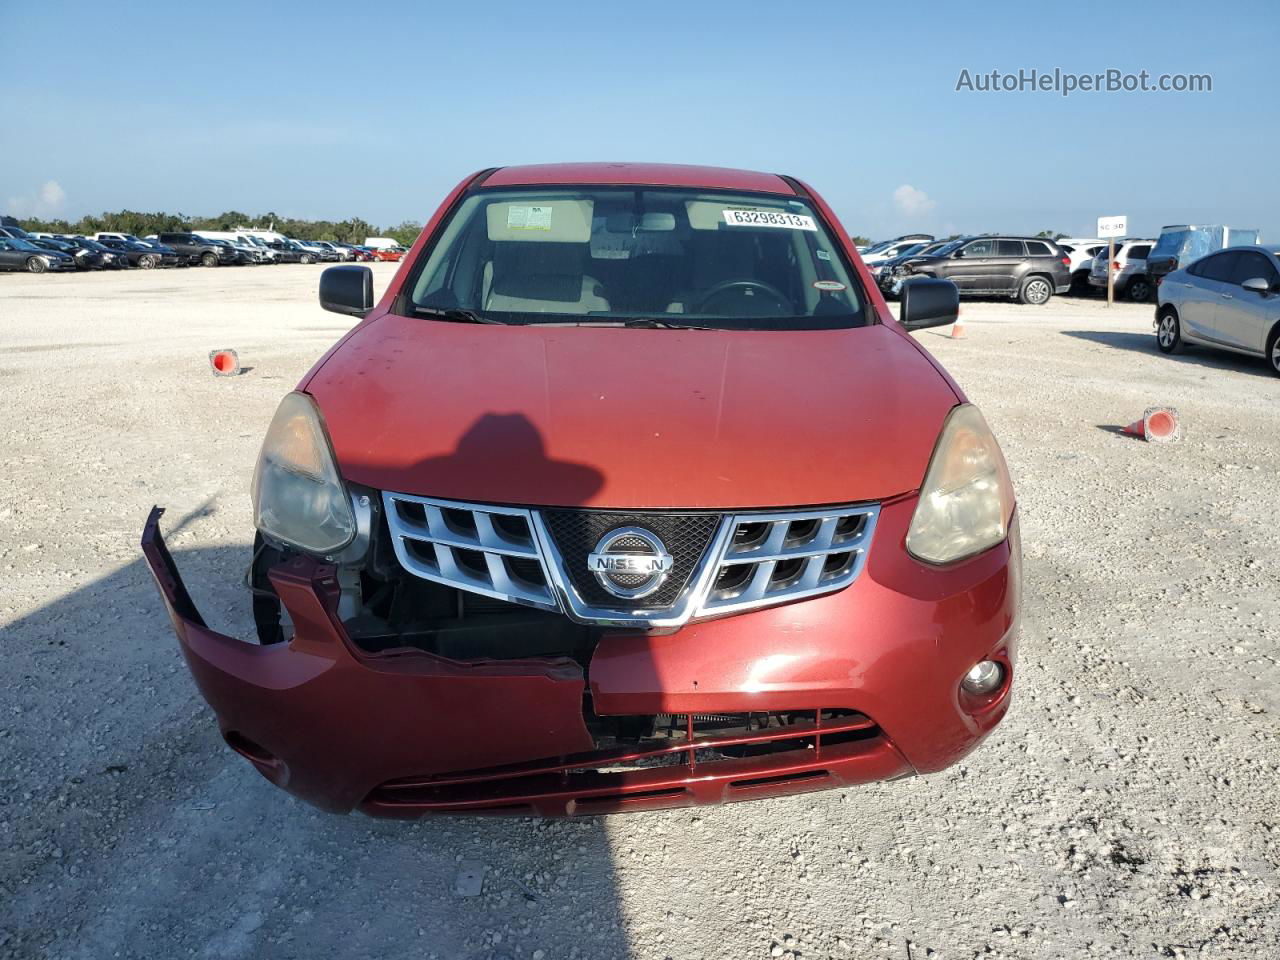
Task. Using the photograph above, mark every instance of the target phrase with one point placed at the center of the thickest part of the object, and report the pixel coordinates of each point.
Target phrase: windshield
(17, 243)
(596, 255)
(909, 251)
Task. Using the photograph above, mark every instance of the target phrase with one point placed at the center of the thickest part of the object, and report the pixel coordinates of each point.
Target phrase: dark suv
(1030, 269)
(197, 249)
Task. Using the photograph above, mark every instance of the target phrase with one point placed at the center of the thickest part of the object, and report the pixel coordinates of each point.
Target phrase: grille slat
(720, 563)
(470, 547)
(805, 537)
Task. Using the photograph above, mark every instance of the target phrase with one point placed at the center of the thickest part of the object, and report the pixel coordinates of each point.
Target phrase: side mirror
(959, 254)
(928, 302)
(347, 289)
(1257, 285)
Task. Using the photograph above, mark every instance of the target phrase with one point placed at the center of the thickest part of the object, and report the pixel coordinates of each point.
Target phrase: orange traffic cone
(957, 328)
(225, 363)
(1158, 424)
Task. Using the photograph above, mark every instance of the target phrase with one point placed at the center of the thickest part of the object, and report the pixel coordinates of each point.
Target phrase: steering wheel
(748, 290)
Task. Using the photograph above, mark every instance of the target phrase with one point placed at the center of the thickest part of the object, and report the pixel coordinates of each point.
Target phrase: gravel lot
(1127, 807)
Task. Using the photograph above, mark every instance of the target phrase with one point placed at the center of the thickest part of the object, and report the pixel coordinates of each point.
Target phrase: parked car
(889, 273)
(261, 245)
(363, 253)
(1129, 267)
(111, 259)
(900, 248)
(572, 461)
(19, 254)
(1229, 300)
(874, 248)
(206, 253)
(290, 251)
(142, 255)
(353, 252)
(108, 235)
(249, 249)
(318, 251)
(240, 256)
(14, 232)
(1030, 269)
(84, 259)
(389, 254)
(255, 253)
(1184, 243)
(1081, 253)
(337, 250)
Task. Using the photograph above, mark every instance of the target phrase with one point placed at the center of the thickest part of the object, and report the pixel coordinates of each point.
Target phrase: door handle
(1227, 296)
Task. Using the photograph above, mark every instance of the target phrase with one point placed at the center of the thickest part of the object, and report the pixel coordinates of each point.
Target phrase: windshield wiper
(454, 315)
(634, 323)
(653, 323)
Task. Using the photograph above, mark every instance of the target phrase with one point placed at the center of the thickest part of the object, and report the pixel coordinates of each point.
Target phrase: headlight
(298, 496)
(967, 498)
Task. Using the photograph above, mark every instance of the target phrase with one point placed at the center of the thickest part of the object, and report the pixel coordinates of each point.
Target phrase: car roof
(638, 174)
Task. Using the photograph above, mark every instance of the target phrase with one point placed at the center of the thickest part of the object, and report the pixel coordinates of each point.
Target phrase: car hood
(631, 418)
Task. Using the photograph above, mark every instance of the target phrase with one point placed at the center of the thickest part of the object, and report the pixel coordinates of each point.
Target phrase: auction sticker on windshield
(769, 218)
(529, 218)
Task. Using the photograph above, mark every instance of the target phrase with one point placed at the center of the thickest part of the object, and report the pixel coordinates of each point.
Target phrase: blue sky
(376, 110)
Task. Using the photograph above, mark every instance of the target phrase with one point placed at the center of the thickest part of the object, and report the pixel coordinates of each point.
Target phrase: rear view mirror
(928, 302)
(347, 289)
(1257, 285)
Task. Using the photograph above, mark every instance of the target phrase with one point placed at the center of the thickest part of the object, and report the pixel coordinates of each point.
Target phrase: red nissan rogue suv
(628, 493)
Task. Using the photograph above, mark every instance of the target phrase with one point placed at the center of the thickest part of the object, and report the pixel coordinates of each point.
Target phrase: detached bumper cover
(406, 733)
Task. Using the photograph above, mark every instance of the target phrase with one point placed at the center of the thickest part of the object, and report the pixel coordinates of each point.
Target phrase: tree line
(353, 230)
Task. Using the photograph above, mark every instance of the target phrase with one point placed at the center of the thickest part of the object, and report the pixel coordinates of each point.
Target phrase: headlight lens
(966, 501)
(298, 496)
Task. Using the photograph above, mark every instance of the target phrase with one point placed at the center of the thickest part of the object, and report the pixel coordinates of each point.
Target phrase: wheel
(308, 258)
(36, 265)
(1169, 332)
(146, 261)
(1035, 290)
(1139, 290)
(1273, 351)
(209, 259)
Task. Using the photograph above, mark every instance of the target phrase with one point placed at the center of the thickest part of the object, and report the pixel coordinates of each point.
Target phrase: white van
(381, 243)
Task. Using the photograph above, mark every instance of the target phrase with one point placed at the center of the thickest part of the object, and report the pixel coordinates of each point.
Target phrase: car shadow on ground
(1192, 356)
(132, 831)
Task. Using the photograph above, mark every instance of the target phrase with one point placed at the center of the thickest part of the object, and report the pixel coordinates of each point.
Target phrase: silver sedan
(1229, 300)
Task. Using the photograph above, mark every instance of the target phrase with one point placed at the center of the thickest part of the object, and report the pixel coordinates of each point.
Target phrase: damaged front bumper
(407, 733)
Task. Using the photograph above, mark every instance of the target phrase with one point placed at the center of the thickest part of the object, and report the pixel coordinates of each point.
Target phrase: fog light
(984, 677)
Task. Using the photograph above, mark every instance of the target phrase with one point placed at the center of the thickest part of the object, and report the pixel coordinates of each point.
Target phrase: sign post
(1112, 227)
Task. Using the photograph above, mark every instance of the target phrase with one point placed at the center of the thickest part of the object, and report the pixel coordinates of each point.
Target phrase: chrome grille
(777, 557)
(723, 563)
(483, 549)
(576, 533)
